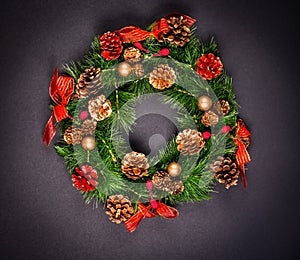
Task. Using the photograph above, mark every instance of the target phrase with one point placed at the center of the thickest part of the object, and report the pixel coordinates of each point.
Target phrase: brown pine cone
(135, 165)
(190, 142)
(88, 127)
(89, 83)
(99, 108)
(179, 33)
(222, 107)
(132, 54)
(161, 180)
(226, 171)
(119, 208)
(209, 119)
(138, 70)
(73, 135)
(162, 76)
(175, 187)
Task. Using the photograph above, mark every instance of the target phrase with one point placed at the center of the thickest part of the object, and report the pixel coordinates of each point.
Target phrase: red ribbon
(145, 212)
(60, 91)
(135, 34)
(242, 156)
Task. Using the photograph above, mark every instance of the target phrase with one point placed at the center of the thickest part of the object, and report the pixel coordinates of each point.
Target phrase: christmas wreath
(95, 102)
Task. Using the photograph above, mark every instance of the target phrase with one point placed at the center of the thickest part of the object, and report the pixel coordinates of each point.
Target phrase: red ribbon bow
(135, 34)
(60, 91)
(145, 212)
(242, 156)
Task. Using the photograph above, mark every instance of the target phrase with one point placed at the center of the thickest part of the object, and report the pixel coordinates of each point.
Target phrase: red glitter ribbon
(242, 156)
(135, 34)
(150, 212)
(60, 91)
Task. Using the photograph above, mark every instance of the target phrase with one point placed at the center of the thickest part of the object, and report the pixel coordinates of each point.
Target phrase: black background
(42, 215)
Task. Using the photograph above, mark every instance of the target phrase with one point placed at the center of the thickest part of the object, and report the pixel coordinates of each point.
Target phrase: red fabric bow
(135, 34)
(242, 156)
(145, 212)
(60, 91)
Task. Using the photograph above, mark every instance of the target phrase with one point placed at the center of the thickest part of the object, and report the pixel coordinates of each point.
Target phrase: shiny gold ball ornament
(174, 169)
(124, 69)
(204, 103)
(88, 143)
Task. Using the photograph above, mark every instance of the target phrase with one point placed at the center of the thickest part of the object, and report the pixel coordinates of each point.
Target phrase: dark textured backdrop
(43, 216)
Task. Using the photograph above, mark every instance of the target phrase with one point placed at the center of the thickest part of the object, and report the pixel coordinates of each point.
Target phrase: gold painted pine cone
(226, 171)
(99, 108)
(162, 76)
(132, 54)
(89, 83)
(163, 181)
(88, 127)
(209, 118)
(190, 142)
(135, 165)
(73, 135)
(119, 208)
(222, 107)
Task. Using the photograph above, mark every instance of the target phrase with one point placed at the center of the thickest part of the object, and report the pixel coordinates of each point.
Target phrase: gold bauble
(88, 143)
(124, 69)
(204, 103)
(174, 169)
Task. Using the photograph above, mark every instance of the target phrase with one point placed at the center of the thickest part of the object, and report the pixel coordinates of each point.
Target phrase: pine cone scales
(179, 33)
(209, 119)
(135, 165)
(190, 142)
(222, 107)
(132, 54)
(163, 181)
(226, 171)
(89, 83)
(99, 108)
(162, 76)
(111, 45)
(73, 135)
(88, 127)
(119, 208)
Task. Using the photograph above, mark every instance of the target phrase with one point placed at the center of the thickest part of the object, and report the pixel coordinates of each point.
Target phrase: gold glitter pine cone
(163, 181)
(135, 165)
(119, 208)
(89, 83)
(162, 76)
(99, 108)
(73, 135)
(132, 54)
(222, 107)
(88, 127)
(209, 118)
(190, 142)
(179, 33)
(226, 171)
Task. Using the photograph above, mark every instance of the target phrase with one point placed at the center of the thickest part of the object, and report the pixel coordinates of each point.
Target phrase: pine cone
(209, 66)
(226, 171)
(85, 178)
(88, 127)
(111, 45)
(99, 108)
(135, 165)
(161, 180)
(222, 107)
(73, 135)
(132, 54)
(190, 142)
(209, 119)
(175, 187)
(162, 76)
(89, 83)
(179, 33)
(138, 70)
(119, 208)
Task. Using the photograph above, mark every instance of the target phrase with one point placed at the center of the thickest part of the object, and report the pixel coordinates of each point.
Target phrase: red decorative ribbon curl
(135, 34)
(150, 212)
(60, 90)
(242, 156)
